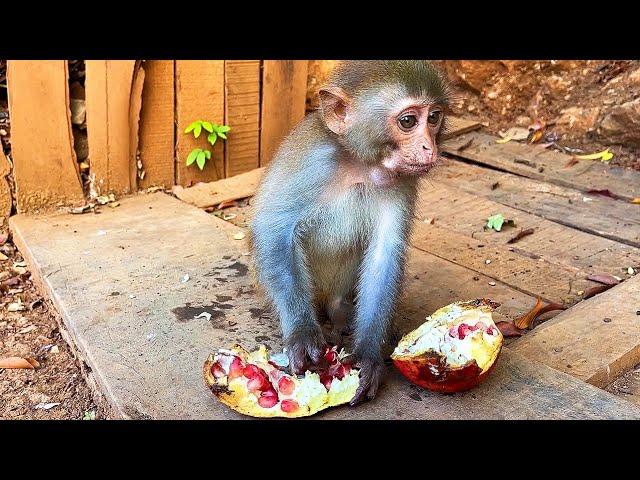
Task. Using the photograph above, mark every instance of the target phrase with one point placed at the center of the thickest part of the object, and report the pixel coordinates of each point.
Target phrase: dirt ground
(33, 334)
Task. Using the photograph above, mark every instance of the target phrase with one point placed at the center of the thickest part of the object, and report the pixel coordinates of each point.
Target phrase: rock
(523, 121)
(80, 144)
(557, 85)
(622, 124)
(76, 90)
(581, 119)
(78, 111)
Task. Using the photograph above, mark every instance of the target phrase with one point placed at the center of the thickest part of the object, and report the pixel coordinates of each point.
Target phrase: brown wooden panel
(157, 124)
(108, 96)
(199, 96)
(5, 191)
(284, 90)
(614, 219)
(596, 341)
(41, 142)
(546, 165)
(242, 114)
(135, 107)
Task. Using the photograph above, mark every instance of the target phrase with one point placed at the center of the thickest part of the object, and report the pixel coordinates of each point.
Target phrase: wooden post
(108, 97)
(157, 124)
(284, 90)
(199, 96)
(242, 114)
(45, 167)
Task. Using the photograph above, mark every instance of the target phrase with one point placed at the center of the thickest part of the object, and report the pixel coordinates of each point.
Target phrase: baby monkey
(334, 211)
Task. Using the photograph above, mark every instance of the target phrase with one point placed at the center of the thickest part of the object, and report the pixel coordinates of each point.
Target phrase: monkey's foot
(305, 350)
(371, 373)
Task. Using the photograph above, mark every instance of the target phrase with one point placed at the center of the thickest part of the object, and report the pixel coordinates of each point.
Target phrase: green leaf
(197, 130)
(192, 126)
(495, 222)
(192, 156)
(201, 159)
(222, 135)
(224, 128)
(207, 153)
(207, 126)
(212, 138)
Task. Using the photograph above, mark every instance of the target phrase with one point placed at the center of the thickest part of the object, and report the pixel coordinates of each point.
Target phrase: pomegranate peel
(253, 384)
(454, 350)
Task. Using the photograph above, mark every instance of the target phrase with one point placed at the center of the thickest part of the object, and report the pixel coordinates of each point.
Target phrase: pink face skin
(414, 131)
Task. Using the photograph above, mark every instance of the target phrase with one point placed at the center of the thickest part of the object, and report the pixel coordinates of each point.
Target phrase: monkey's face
(413, 131)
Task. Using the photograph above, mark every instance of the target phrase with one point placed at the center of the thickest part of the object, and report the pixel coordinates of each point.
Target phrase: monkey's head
(388, 113)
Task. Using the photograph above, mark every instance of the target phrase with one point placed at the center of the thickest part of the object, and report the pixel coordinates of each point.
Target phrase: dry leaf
(504, 140)
(604, 279)
(34, 363)
(521, 234)
(205, 315)
(536, 136)
(114, 204)
(527, 320)
(46, 406)
(239, 235)
(603, 156)
(514, 133)
(227, 204)
(573, 161)
(16, 306)
(593, 291)
(16, 362)
(508, 329)
(28, 329)
(604, 193)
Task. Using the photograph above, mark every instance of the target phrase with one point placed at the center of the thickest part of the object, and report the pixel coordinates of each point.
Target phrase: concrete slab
(116, 278)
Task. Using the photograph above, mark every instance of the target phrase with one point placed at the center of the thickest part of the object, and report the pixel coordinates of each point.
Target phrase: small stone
(478, 278)
(631, 271)
(606, 320)
(493, 284)
(487, 261)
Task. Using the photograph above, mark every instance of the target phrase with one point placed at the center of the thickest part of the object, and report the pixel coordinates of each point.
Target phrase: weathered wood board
(5, 191)
(284, 91)
(157, 125)
(199, 96)
(152, 367)
(597, 340)
(614, 219)
(108, 99)
(242, 114)
(44, 161)
(546, 165)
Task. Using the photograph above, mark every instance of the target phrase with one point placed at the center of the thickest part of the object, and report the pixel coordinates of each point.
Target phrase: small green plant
(200, 156)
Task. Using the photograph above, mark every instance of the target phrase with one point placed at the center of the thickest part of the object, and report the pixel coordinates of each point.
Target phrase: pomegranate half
(254, 384)
(454, 350)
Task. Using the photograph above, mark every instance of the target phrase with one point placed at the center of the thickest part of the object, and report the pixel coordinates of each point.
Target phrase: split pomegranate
(254, 384)
(454, 350)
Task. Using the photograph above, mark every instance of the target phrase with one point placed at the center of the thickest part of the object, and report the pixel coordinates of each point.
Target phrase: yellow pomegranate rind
(310, 394)
(431, 357)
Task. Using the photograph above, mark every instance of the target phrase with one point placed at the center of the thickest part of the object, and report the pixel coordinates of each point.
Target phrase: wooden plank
(213, 193)
(467, 214)
(157, 125)
(5, 190)
(551, 282)
(199, 96)
(41, 142)
(545, 165)
(627, 386)
(242, 114)
(614, 219)
(583, 344)
(163, 382)
(108, 96)
(284, 91)
(458, 126)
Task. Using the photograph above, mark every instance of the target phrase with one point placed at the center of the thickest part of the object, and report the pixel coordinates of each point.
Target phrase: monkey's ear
(334, 105)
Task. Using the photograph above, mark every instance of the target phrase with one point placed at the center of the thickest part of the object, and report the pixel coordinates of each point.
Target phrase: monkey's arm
(378, 288)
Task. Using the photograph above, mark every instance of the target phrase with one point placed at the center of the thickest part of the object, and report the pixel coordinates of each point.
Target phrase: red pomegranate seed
(490, 330)
(286, 386)
(250, 371)
(331, 356)
(236, 369)
(347, 368)
(259, 382)
(289, 406)
(463, 330)
(473, 328)
(217, 371)
(268, 399)
(326, 379)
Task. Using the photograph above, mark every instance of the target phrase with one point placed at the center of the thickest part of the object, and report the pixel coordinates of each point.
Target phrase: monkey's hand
(371, 373)
(305, 349)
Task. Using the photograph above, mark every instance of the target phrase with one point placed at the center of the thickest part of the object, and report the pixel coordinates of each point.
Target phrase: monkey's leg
(282, 270)
(378, 288)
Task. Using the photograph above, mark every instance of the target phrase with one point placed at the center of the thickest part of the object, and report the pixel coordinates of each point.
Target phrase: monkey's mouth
(417, 168)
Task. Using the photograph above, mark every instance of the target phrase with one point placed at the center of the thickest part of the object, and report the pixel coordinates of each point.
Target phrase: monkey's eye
(434, 117)
(407, 122)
